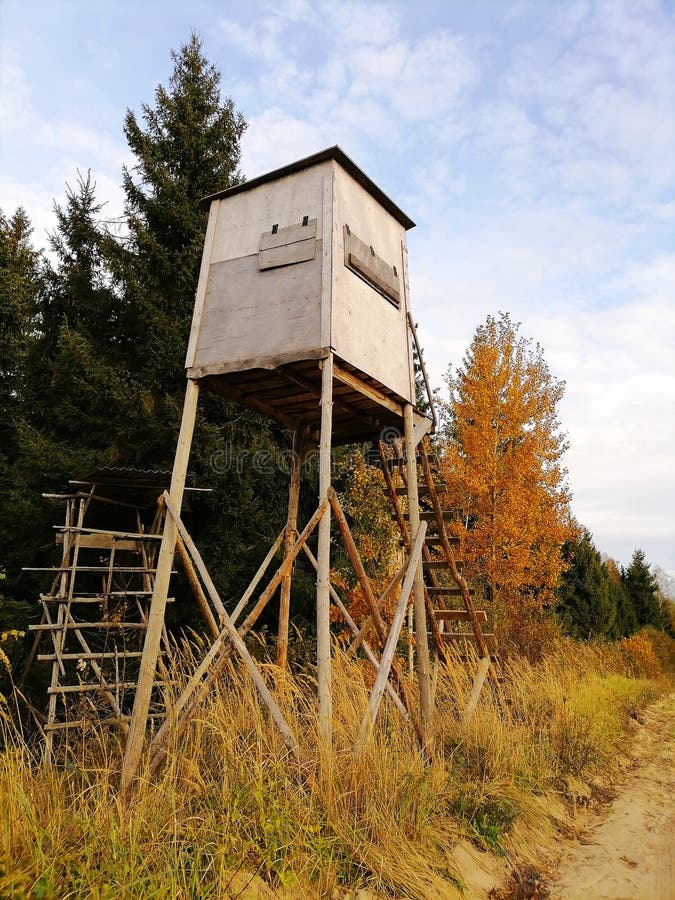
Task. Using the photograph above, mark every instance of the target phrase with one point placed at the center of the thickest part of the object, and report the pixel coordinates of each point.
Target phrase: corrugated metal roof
(336, 153)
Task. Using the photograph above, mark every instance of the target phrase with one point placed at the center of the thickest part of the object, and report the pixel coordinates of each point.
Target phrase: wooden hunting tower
(302, 314)
(300, 263)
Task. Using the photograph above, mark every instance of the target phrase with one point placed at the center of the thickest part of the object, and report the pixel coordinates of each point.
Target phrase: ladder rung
(125, 535)
(56, 570)
(422, 490)
(80, 625)
(429, 516)
(435, 564)
(68, 657)
(449, 591)
(459, 615)
(434, 540)
(99, 598)
(83, 723)
(109, 686)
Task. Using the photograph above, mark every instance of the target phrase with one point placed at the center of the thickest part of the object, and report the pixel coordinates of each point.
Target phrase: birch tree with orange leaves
(502, 463)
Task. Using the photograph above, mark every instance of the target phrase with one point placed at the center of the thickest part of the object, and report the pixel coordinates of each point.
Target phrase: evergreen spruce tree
(642, 590)
(21, 281)
(587, 602)
(187, 146)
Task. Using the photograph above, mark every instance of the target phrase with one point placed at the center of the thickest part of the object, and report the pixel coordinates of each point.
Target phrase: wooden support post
(218, 654)
(421, 642)
(297, 458)
(370, 656)
(392, 640)
(483, 667)
(378, 621)
(200, 596)
(153, 636)
(323, 650)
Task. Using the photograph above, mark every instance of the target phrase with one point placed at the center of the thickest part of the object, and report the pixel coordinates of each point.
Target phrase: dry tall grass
(230, 807)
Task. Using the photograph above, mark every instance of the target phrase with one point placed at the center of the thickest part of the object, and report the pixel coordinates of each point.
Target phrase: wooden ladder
(441, 598)
(95, 614)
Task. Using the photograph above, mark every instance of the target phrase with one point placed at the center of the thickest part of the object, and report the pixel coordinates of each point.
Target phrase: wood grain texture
(287, 254)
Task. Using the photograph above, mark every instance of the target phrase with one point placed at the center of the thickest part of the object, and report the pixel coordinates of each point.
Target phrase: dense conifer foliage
(94, 343)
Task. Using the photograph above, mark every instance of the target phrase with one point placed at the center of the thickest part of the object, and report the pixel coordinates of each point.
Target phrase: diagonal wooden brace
(196, 689)
(392, 639)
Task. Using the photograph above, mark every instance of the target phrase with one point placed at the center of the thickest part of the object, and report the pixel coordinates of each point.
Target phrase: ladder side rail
(450, 556)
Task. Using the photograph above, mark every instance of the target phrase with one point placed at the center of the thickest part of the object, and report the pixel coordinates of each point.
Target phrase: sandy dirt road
(628, 852)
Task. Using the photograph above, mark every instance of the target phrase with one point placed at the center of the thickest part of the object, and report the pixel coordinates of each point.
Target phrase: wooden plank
(193, 580)
(483, 668)
(142, 570)
(100, 599)
(250, 314)
(134, 746)
(421, 642)
(297, 458)
(362, 258)
(288, 255)
(323, 650)
(291, 234)
(63, 626)
(87, 688)
(102, 542)
(372, 393)
(200, 296)
(370, 656)
(459, 615)
(394, 632)
(254, 403)
(135, 535)
(108, 654)
(218, 654)
(380, 625)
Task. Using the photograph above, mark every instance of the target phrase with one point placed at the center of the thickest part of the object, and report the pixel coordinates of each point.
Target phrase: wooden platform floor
(290, 395)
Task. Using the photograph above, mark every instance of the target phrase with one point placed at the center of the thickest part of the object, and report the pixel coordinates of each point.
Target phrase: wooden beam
(146, 675)
(421, 642)
(218, 654)
(360, 572)
(483, 667)
(323, 649)
(372, 393)
(338, 403)
(392, 639)
(370, 656)
(222, 387)
(194, 583)
(297, 457)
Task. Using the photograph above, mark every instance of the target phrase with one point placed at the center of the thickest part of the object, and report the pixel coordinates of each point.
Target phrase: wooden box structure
(302, 314)
(302, 262)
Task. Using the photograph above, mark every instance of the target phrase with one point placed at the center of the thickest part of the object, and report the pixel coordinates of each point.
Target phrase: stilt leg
(289, 539)
(153, 634)
(421, 642)
(323, 657)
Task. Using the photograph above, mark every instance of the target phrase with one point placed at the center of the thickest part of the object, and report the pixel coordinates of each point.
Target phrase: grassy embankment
(229, 810)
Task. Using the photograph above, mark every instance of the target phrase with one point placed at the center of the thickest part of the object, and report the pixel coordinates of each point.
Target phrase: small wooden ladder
(441, 597)
(95, 614)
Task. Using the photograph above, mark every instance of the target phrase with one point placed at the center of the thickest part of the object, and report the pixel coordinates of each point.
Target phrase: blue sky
(532, 142)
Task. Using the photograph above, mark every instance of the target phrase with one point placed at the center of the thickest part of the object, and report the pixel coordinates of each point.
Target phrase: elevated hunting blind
(301, 263)
(302, 313)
